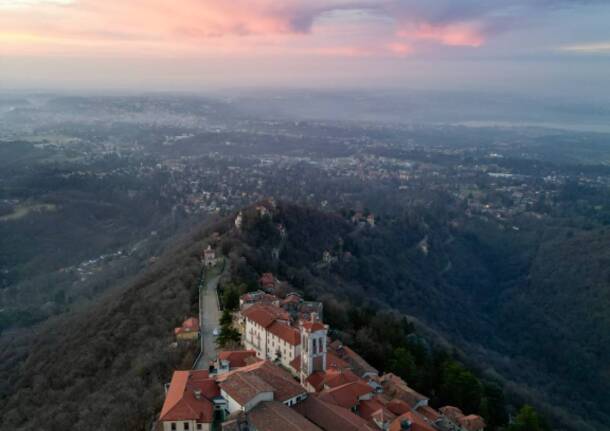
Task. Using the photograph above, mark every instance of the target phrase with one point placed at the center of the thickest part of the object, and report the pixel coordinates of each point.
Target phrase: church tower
(313, 347)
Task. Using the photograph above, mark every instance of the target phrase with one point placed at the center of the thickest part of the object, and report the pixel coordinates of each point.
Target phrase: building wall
(269, 344)
(263, 396)
(167, 426)
(295, 400)
(233, 406)
(188, 336)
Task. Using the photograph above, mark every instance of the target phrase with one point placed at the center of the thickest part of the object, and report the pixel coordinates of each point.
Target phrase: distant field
(23, 210)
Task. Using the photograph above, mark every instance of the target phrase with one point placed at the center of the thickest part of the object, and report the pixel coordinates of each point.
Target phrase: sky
(526, 46)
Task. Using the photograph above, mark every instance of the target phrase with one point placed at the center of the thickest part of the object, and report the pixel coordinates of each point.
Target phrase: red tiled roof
(453, 413)
(264, 314)
(276, 416)
(283, 384)
(285, 332)
(316, 380)
(313, 326)
(417, 423)
(472, 422)
(358, 364)
(243, 387)
(331, 417)
(396, 387)
(188, 397)
(429, 413)
(398, 407)
(189, 325)
(236, 358)
(335, 377)
(370, 409)
(469, 423)
(333, 361)
(347, 395)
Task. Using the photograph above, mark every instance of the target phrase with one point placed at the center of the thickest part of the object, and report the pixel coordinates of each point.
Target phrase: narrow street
(209, 316)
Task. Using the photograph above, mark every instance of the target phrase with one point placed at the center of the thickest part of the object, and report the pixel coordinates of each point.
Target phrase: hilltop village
(286, 372)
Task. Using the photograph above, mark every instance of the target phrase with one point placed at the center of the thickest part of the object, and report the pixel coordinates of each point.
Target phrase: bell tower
(313, 347)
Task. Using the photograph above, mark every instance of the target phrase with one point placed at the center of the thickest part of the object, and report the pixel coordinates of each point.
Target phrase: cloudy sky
(541, 46)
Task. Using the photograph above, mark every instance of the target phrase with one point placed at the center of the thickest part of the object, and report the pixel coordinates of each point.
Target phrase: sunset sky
(527, 45)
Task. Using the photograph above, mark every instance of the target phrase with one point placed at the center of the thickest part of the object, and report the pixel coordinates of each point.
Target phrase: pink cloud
(252, 26)
(447, 34)
(400, 49)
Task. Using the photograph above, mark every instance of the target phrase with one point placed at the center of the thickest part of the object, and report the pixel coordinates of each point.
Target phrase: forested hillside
(507, 299)
(494, 318)
(103, 367)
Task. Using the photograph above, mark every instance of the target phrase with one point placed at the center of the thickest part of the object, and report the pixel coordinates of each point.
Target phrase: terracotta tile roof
(265, 314)
(285, 332)
(275, 416)
(189, 325)
(371, 409)
(258, 296)
(331, 417)
(336, 377)
(236, 358)
(398, 388)
(244, 387)
(417, 423)
(313, 326)
(188, 397)
(333, 361)
(283, 385)
(347, 395)
(429, 413)
(472, 422)
(295, 364)
(316, 380)
(452, 413)
(398, 407)
(469, 423)
(356, 362)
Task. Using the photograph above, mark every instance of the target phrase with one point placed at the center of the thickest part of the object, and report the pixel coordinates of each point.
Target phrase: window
(173, 426)
(185, 425)
(199, 426)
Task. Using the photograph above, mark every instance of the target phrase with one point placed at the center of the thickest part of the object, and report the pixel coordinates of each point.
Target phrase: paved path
(209, 316)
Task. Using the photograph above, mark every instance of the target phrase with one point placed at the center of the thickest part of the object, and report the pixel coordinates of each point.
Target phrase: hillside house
(190, 402)
(209, 257)
(188, 331)
(460, 422)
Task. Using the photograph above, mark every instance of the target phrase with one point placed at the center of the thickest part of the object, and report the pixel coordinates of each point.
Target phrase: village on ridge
(289, 375)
